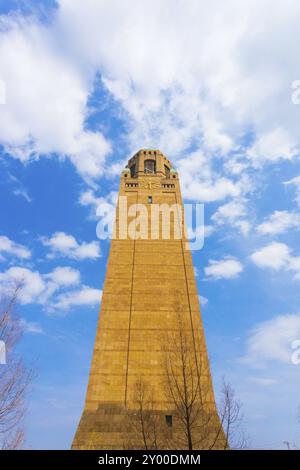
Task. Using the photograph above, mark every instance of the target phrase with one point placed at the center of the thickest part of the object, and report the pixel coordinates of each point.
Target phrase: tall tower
(149, 281)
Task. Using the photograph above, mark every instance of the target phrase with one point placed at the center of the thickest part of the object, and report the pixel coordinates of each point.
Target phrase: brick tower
(149, 281)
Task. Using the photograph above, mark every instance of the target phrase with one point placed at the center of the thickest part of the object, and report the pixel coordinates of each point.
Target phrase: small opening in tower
(149, 199)
(150, 166)
(132, 171)
(167, 171)
(169, 420)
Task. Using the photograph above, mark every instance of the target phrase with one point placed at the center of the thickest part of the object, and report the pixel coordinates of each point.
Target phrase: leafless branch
(14, 376)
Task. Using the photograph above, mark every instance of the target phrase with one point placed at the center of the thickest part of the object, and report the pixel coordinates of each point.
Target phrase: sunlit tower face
(149, 281)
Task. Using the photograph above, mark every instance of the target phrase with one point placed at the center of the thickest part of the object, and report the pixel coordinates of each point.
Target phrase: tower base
(112, 427)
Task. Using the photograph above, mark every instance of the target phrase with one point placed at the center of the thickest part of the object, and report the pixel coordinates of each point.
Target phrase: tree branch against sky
(15, 377)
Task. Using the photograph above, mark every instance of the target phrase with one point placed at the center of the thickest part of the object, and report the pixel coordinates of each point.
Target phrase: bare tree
(189, 389)
(231, 418)
(14, 376)
(145, 422)
(292, 445)
(196, 423)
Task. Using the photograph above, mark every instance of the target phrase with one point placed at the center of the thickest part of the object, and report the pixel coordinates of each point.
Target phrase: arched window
(132, 171)
(167, 171)
(150, 166)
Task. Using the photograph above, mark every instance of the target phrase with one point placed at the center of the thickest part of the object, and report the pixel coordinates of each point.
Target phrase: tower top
(150, 162)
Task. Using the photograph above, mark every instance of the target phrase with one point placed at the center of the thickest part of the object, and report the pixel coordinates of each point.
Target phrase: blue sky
(86, 85)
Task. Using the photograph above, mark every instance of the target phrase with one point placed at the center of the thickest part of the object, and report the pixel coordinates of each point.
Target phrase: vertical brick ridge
(130, 312)
(186, 285)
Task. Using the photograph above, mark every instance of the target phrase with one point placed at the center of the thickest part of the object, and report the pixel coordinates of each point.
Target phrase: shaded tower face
(149, 294)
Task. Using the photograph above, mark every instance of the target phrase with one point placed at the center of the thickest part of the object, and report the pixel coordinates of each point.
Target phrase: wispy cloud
(22, 192)
(263, 381)
(85, 296)
(64, 245)
(279, 222)
(31, 327)
(234, 214)
(295, 182)
(203, 300)
(19, 189)
(223, 269)
(29, 54)
(277, 256)
(272, 340)
(55, 291)
(13, 249)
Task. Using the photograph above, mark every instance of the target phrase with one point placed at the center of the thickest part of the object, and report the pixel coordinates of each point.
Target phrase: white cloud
(60, 277)
(37, 287)
(272, 340)
(46, 98)
(274, 145)
(20, 189)
(279, 222)
(55, 290)
(85, 296)
(198, 96)
(207, 191)
(294, 265)
(230, 212)
(275, 255)
(203, 300)
(31, 327)
(295, 182)
(87, 251)
(244, 226)
(208, 230)
(33, 284)
(236, 165)
(64, 276)
(88, 198)
(201, 183)
(9, 247)
(102, 209)
(223, 269)
(62, 244)
(264, 381)
(233, 213)
(23, 193)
